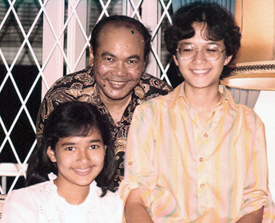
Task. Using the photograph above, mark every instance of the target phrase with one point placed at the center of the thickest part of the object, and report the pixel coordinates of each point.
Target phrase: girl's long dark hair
(72, 119)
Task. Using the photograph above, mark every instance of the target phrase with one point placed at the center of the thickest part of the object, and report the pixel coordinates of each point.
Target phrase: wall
(257, 21)
(265, 108)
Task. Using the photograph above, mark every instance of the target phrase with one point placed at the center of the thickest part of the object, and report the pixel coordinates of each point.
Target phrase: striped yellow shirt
(189, 173)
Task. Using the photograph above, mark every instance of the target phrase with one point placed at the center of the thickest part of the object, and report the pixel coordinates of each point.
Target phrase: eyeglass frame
(196, 47)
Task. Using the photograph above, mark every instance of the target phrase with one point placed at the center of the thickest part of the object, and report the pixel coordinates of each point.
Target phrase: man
(195, 155)
(115, 82)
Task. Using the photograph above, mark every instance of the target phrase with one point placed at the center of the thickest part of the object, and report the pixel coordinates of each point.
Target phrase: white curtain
(246, 97)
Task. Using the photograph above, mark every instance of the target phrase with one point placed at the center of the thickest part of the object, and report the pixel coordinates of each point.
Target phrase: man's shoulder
(83, 76)
(75, 81)
(154, 86)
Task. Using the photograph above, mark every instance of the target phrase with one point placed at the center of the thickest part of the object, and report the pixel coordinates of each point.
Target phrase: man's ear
(51, 154)
(91, 56)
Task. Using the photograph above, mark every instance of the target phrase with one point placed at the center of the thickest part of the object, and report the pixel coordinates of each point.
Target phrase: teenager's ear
(175, 60)
(51, 154)
(227, 60)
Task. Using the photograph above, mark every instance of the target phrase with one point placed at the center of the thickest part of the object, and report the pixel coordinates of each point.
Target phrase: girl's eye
(70, 148)
(94, 146)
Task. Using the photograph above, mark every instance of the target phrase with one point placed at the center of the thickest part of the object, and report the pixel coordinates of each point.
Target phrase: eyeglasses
(189, 51)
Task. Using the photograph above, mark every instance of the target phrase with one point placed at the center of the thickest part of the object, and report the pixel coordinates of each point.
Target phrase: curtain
(245, 97)
(229, 4)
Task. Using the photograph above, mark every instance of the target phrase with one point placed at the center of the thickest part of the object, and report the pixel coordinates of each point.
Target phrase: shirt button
(201, 159)
(130, 163)
(202, 185)
(205, 135)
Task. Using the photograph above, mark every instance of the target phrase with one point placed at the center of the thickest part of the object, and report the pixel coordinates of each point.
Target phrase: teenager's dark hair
(219, 23)
(121, 21)
(72, 119)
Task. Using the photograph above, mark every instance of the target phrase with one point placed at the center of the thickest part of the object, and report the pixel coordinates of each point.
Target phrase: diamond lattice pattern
(28, 51)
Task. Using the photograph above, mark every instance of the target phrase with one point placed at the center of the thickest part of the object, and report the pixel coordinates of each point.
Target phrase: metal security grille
(42, 40)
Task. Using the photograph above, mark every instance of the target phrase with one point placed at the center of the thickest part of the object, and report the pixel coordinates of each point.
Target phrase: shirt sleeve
(256, 193)
(56, 94)
(19, 207)
(40, 120)
(139, 170)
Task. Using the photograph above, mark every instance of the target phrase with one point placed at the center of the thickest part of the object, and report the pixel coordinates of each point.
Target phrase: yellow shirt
(189, 173)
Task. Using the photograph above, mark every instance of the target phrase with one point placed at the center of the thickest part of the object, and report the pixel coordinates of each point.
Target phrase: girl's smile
(79, 159)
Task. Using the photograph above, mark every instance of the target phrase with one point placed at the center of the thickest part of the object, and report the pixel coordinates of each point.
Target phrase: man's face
(119, 62)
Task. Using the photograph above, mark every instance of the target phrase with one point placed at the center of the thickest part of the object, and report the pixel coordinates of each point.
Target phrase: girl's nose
(83, 156)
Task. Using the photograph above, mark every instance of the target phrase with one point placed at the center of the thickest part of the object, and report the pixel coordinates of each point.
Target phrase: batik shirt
(81, 86)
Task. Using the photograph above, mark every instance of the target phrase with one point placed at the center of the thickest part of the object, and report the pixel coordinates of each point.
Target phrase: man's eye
(132, 61)
(109, 59)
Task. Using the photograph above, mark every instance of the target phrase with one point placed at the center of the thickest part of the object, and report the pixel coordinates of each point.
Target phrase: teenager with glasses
(195, 155)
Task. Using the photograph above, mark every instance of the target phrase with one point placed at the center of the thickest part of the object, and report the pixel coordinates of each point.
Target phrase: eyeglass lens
(189, 51)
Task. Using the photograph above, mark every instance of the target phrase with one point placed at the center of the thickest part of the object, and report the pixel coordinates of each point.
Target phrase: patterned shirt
(187, 172)
(81, 86)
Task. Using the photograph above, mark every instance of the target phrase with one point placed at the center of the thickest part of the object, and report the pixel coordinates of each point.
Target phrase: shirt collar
(228, 97)
(179, 93)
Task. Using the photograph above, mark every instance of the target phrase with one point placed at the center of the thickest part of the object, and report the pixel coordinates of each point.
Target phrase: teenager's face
(200, 72)
(79, 159)
(119, 62)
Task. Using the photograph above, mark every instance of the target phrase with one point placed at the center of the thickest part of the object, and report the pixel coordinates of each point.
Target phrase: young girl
(77, 156)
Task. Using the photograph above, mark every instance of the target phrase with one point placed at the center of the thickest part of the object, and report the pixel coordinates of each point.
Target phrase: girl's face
(79, 160)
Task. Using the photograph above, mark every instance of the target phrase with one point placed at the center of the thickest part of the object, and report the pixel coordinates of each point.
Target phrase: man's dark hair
(121, 21)
(219, 24)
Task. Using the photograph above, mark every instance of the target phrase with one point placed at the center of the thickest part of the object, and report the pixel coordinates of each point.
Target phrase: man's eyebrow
(134, 57)
(107, 54)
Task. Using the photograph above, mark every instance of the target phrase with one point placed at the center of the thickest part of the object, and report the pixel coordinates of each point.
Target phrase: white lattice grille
(38, 39)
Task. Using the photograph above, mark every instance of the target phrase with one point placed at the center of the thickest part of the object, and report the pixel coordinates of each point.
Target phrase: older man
(115, 82)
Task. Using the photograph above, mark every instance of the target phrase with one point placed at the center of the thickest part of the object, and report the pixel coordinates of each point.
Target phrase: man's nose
(120, 69)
